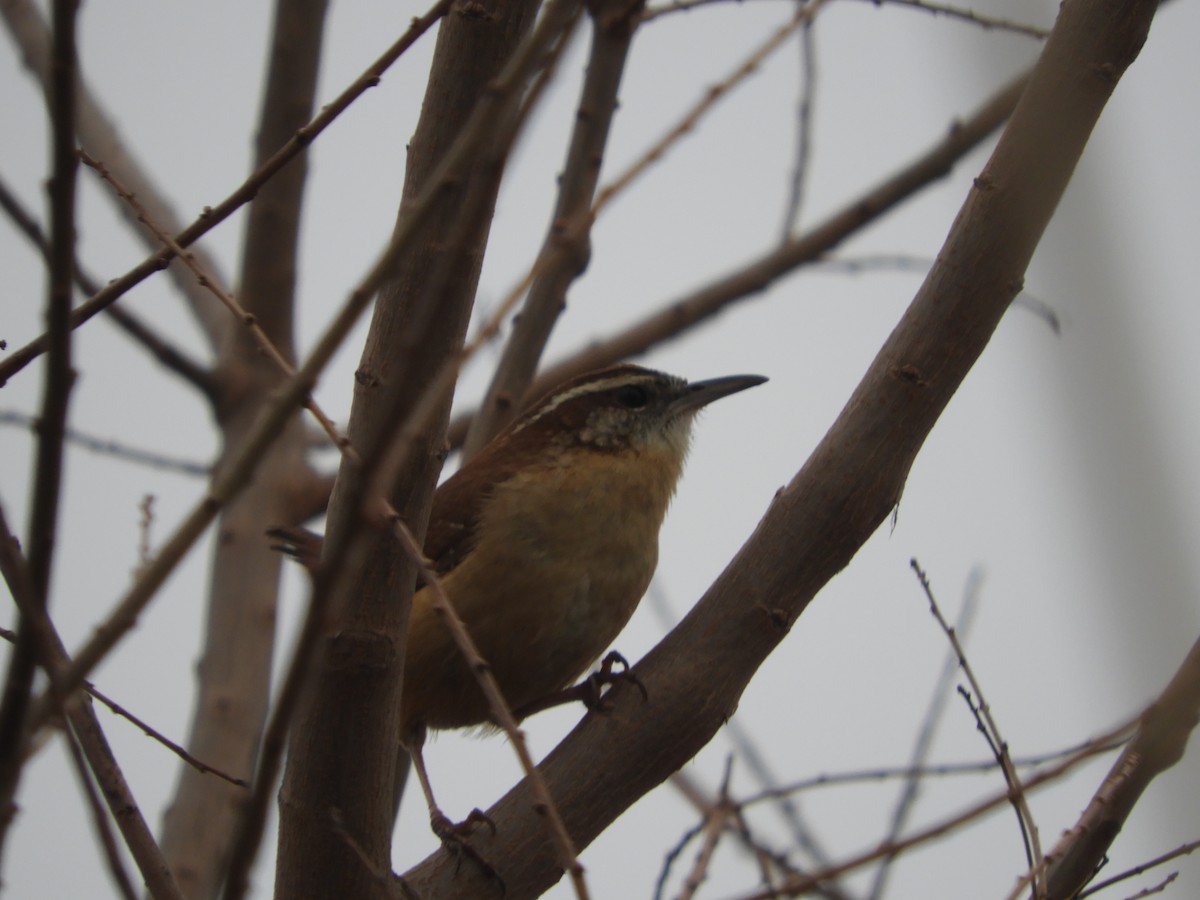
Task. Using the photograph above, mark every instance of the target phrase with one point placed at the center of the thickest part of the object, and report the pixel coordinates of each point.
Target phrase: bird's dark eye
(632, 396)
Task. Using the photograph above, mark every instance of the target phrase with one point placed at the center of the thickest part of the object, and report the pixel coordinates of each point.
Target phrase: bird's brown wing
(459, 501)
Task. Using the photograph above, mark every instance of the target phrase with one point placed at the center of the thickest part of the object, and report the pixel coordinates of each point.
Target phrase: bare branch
(939, 699)
(262, 342)
(214, 215)
(807, 48)
(798, 887)
(986, 724)
(1159, 743)
(82, 718)
(108, 447)
(52, 423)
(965, 14)
(714, 825)
(170, 356)
(7, 564)
(1184, 850)
(112, 853)
(803, 15)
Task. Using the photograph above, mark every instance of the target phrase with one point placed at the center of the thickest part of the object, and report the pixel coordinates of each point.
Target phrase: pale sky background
(1064, 468)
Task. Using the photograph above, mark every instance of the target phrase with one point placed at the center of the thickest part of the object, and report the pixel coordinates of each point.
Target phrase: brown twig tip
(987, 726)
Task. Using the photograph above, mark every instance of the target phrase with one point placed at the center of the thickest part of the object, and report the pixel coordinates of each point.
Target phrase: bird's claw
(606, 676)
(456, 831)
(453, 836)
(590, 691)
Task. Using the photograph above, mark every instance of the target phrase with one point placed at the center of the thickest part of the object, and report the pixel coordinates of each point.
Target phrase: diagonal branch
(82, 718)
(849, 485)
(166, 353)
(1158, 744)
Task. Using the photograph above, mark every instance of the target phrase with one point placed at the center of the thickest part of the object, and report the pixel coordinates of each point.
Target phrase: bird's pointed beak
(702, 393)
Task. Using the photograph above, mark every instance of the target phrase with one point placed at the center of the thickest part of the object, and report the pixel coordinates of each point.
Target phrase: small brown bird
(546, 541)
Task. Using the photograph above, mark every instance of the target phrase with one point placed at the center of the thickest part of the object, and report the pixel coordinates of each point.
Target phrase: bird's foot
(592, 688)
(590, 692)
(448, 830)
(453, 836)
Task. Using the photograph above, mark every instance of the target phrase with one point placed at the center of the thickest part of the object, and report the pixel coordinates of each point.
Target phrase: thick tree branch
(849, 485)
(234, 675)
(336, 799)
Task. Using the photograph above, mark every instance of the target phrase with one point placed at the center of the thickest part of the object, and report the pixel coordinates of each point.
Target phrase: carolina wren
(547, 539)
(545, 542)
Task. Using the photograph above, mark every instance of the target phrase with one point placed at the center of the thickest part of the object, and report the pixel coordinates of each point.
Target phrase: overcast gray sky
(1064, 468)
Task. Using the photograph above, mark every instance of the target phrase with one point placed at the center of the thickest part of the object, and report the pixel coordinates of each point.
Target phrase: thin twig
(762, 854)
(112, 853)
(150, 731)
(988, 727)
(214, 215)
(797, 887)
(906, 801)
(803, 15)
(112, 448)
(498, 706)
(174, 359)
(763, 857)
(804, 115)
(245, 318)
(145, 523)
(674, 853)
(802, 834)
(966, 14)
(987, 23)
(153, 733)
(1184, 850)
(82, 718)
(979, 767)
(902, 262)
(715, 819)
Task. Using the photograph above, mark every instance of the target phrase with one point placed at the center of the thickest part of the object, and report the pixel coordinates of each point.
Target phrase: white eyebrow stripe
(588, 387)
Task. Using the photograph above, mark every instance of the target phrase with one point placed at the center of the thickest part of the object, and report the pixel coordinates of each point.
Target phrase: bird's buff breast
(564, 564)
